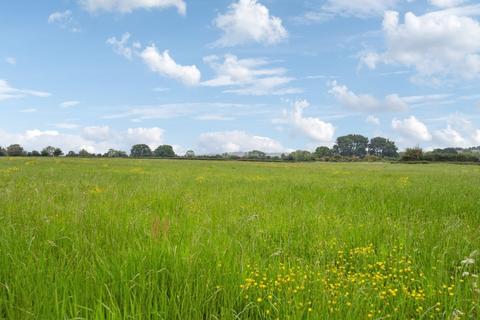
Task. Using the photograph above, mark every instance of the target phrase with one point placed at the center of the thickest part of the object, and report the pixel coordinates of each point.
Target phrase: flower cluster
(356, 282)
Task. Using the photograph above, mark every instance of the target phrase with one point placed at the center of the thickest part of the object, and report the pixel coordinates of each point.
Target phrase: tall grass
(139, 239)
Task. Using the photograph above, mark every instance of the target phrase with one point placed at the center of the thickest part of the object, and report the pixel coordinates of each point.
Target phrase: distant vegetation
(352, 147)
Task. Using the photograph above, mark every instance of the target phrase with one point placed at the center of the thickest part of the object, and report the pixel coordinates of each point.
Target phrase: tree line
(352, 147)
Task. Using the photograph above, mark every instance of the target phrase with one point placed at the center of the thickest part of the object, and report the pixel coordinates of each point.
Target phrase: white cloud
(100, 133)
(69, 104)
(11, 60)
(196, 110)
(248, 76)
(64, 20)
(249, 21)
(127, 6)
(365, 102)
(314, 128)
(371, 119)
(93, 139)
(37, 139)
(236, 141)
(359, 8)
(120, 46)
(8, 92)
(459, 132)
(346, 8)
(413, 129)
(437, 44)
(158, 62)
(153, 137)
(446, 3)
(163, 64)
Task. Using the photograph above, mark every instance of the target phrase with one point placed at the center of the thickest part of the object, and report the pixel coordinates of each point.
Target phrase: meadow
(154, 239)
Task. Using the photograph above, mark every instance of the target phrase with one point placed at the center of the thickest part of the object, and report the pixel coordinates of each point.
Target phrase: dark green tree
(15, 150)
(382, 147)
(413, 154)
(301, 155)
(112, 153)
(58, 152)
(322, 152)
(164, 151)
(140, 151)
(352, 145)
(256, 154)
(85, 154)
(3, 152)
(48, 151)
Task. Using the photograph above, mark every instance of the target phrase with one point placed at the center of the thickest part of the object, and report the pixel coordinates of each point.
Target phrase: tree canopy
(164, 151)
(352, 145)
(15, 150)
(140, 151)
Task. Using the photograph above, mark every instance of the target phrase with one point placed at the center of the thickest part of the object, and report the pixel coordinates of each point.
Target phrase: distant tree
(34, 153)
(352, 145)
(112, 153)
(3, 152)
(413, 154)
(58, 152)
(322, 152)
(190, 154)
(256, 154)
(382, 147)
(48, 151)
(72, 154)
(164, 151)
(85, 154)
(301, 155)
(15, 150)
(140, 151)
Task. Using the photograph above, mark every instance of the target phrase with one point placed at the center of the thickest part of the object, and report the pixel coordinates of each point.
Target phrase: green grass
(140, 239)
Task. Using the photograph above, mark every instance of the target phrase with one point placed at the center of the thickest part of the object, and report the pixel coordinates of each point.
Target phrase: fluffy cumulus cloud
(100, 133)
(96, 139)
(163, 64)
(153, 137)
(459, 132)
(437, 44)
(8, 92)
(236, 141)
(313, 128)
(412, 129)
(249, 21)
(365, 102)
(127, 6)
(248, 76)
(65, 20)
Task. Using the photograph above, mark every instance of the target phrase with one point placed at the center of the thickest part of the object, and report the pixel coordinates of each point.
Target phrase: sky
(220, 76)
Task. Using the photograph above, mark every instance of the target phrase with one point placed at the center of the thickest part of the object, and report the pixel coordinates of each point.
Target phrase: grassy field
(140, 239)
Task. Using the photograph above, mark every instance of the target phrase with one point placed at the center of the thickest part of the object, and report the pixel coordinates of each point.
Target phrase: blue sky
(236, 75)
